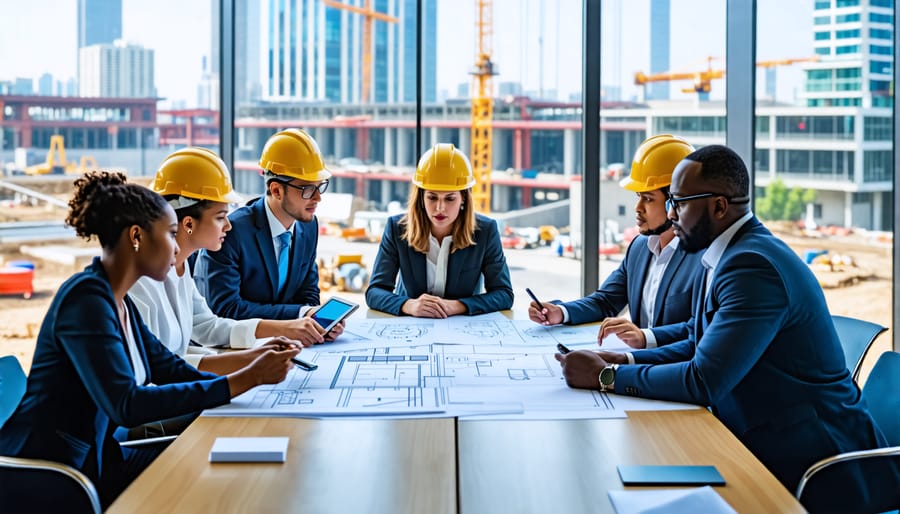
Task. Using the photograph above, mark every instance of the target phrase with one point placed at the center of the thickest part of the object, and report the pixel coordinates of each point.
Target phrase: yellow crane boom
(483, 106)
(368, 15)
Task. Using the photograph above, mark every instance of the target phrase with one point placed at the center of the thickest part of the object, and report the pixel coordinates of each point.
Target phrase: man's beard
(700, 236)
(658, 230)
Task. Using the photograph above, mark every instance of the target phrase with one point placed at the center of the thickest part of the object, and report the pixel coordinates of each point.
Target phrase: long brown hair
(416, 227)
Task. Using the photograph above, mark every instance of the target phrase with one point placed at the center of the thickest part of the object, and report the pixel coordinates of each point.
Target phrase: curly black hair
(104, 205)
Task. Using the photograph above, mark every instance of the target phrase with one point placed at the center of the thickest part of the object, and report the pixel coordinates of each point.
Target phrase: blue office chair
(856, 338)
(34, 485)
(880, 392)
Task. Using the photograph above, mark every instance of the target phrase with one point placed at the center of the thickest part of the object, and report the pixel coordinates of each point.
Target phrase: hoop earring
(137, 246)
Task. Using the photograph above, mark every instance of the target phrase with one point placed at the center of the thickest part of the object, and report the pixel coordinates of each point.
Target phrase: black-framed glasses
(307, 191)
(675, 203)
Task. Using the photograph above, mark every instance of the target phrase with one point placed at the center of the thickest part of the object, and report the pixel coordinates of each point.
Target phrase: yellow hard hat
(294, 153)
(654, 161)
(444, 168)
(196, 173)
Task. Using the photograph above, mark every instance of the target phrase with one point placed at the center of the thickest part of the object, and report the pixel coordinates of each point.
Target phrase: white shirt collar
(714, 253)
(275, 226)
(654, 246)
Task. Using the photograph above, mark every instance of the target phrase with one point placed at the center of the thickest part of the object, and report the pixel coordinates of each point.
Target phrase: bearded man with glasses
(267, 265)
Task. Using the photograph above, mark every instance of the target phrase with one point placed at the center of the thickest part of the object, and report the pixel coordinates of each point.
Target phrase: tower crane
(703, 78)
(368, 15)
(483, 106)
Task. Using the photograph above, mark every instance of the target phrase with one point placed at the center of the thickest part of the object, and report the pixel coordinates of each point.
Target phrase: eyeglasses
(675, 203)
(308, 191)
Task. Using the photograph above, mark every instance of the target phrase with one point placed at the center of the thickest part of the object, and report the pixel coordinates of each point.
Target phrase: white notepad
(249, 449)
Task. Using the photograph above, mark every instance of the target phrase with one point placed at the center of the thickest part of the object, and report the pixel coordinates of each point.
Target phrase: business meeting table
(445, 465)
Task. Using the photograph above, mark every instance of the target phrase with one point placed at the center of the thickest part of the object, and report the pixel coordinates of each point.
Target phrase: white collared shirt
(436, 265)
(659, 261)
(140, 373)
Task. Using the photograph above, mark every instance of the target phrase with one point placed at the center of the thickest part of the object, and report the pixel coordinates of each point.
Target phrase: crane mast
(483, 106)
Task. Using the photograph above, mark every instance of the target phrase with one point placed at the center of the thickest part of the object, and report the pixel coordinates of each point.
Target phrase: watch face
(607, 376)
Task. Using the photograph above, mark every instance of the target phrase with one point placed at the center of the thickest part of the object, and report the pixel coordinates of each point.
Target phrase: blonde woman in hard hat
(196, 184)
(449, 259)
(267, 267)
(655, 278)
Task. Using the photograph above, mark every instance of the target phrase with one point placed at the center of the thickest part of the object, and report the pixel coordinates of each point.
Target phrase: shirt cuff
(630, 358)
(303, 310)
(565, 313)
(650, 337)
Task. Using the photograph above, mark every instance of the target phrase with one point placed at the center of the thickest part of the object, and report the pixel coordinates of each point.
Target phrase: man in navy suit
(267, 265)
(654, 280)
(763, 353)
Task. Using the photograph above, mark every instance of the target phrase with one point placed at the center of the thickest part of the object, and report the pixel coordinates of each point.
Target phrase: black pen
(308, 366)
(533, 297)
(562, 348)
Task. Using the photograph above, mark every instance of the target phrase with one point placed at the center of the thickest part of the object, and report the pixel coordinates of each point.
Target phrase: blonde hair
(416, 227)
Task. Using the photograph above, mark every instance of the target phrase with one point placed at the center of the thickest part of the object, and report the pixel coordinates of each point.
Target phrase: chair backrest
(12, 386)
(881, 394)
(33, 485)
(856, 337)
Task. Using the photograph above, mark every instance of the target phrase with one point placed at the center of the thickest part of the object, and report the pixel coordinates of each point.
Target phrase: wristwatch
(607, 377)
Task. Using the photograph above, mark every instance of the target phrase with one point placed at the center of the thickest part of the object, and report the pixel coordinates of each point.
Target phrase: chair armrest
(148, 441)
(46, 465)
(891, 451)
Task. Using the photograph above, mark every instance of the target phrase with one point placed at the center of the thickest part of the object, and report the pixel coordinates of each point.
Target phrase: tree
(781, 203)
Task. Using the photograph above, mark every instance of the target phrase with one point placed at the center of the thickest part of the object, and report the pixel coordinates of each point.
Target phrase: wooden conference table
(445, 465)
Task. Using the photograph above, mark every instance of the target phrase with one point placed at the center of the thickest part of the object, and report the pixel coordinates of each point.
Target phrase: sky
(33, 42)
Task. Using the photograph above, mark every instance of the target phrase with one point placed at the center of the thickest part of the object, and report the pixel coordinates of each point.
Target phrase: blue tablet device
(333, 312)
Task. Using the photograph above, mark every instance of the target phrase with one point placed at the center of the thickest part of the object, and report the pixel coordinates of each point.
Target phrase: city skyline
(517, 29)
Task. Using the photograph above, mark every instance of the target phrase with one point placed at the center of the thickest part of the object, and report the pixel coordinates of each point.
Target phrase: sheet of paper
(249, 449)
(670, 501)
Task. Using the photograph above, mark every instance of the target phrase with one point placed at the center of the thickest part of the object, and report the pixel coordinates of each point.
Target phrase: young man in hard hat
(267, 265)
(656, 276)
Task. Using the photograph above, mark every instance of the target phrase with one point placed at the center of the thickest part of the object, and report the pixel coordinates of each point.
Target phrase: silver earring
(137, 246)
(189, 231)
(462, 207)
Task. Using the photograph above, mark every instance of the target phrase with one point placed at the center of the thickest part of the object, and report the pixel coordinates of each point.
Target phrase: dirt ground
(865, 293)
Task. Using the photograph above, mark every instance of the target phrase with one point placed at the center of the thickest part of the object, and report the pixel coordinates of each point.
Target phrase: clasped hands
(430, 306)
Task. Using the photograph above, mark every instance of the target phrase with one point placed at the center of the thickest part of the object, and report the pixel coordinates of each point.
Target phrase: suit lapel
(697, 292)
(290, 284)
(664, 283)
(636, 288)
(419, 280)
(265, 245)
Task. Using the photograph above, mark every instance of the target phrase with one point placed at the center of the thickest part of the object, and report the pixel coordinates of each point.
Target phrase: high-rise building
(119, 70)
(854, 42)
(314, 52)
(99, 22)
(45, 84)
(660, 25)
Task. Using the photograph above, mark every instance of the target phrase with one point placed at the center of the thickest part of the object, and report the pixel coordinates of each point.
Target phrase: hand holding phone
(333, 312)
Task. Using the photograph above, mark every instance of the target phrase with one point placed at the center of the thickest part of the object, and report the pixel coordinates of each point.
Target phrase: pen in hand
(562, 348)
(533, 297)
(307, 366)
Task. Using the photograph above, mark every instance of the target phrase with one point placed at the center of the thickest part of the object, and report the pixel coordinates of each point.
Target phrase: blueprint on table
(428, 379)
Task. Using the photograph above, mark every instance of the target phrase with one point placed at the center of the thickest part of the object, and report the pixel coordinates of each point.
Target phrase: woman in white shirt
(449, 259)
(196, 183)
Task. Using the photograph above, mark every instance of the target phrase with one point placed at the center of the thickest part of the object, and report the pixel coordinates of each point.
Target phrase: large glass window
(823, 152)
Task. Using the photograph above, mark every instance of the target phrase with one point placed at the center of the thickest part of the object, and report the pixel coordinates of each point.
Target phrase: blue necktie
(284, 258)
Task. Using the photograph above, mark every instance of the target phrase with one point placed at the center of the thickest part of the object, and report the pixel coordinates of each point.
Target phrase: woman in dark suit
(96, 366)
(450, 260)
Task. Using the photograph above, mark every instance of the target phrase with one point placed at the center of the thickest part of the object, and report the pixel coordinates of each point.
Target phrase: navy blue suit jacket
(466, 269)
(82, 383)
(240, 281)
(763, 353)
(625, 286)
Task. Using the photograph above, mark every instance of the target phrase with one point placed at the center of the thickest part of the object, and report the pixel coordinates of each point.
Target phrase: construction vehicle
(483, 106)
(345, 272)
(703, 79)
(56, 163)
(368, 15)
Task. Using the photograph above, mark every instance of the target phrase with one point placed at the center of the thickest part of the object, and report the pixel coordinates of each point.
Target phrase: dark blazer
(763, 353)
(240, 281)
(82, 384)
(466, 269)
(625, 286)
